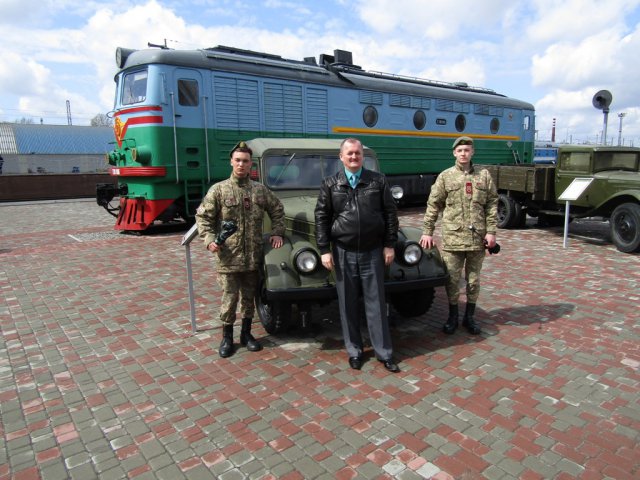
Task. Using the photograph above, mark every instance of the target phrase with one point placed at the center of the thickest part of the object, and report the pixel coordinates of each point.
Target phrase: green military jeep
(293, 278)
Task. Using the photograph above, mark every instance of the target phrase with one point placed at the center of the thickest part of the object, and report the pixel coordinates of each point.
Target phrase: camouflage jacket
(245, 202)
(468, 202)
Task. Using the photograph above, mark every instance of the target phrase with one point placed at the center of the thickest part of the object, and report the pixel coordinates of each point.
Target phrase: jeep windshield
(603, 161)
(302, 170)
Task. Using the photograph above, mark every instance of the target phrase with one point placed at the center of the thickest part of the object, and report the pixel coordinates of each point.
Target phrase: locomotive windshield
(134, 88)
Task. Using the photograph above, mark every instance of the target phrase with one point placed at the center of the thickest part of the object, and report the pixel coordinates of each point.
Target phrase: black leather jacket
(359, 219)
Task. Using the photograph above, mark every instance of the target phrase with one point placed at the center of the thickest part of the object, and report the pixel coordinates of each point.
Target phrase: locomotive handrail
(206, 136)
(406, 78)
(175, 135)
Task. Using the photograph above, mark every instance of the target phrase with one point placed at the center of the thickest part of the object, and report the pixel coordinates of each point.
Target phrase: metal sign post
(571, 193)
(186, 242)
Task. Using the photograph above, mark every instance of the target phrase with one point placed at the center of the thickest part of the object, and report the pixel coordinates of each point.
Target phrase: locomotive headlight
(306, 261)
(412, 253)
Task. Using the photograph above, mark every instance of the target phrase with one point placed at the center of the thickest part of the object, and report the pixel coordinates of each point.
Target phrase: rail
(186, 243)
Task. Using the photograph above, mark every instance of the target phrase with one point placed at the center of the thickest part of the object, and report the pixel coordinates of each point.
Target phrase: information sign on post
(571, 193)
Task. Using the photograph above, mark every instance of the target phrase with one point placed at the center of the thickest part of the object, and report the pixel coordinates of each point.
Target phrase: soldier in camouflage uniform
(239, 258)
(468, 200)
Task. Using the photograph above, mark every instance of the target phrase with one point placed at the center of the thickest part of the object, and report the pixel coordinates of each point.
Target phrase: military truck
(614, 192)
(293, 280)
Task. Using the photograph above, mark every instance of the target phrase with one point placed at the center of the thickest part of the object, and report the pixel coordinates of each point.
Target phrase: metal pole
(620, 116)
(566, 225)
(192, 305)
(186, 242)
(604, 129)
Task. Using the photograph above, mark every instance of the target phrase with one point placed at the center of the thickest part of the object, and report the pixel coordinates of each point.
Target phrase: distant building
(41, 149)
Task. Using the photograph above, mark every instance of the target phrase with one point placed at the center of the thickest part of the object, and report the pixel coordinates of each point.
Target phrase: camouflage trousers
(471, 261)
(237, 286)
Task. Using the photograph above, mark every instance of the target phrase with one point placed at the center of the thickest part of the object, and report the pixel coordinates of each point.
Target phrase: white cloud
(434, 20)
(468, 70)
(22, 76)
(555, 55)
(595, 59)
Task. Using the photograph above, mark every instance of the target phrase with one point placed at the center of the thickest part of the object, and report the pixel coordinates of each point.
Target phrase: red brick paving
(98, 367)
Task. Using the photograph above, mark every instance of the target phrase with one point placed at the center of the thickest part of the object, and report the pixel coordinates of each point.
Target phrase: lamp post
(620, 116)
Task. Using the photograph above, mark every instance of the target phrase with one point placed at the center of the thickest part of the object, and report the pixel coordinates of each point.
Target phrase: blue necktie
(353, 181)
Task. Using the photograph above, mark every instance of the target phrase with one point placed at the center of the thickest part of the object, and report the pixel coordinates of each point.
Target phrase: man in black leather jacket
(356, 230)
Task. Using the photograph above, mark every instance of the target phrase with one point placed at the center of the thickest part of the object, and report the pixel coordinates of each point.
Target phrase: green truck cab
(614, 192)
(293, 279)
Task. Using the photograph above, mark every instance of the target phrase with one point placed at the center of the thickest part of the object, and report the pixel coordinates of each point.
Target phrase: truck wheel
(520, 216)
(506, 211)
(625, 227)
(413, 303)
(274, 316)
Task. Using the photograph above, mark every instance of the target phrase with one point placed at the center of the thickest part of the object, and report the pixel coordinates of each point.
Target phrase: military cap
(241, 147)
(462, 141)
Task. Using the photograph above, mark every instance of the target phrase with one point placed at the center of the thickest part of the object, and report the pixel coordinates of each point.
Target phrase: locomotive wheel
(274, 316)
(625, 227)
(414, 303)
(506, 211)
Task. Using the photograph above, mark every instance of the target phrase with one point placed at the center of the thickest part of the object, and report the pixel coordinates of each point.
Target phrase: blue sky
(555, 55)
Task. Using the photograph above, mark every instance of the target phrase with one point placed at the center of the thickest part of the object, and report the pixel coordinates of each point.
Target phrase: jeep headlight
(306, 260)
(411, 253)
(397, 192)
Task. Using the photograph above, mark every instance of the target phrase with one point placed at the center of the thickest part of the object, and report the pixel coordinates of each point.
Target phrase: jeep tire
(274, 316)
(412, 303)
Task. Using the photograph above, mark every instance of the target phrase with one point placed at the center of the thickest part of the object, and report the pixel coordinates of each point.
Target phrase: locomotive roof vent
(340, 58)
(343, 57)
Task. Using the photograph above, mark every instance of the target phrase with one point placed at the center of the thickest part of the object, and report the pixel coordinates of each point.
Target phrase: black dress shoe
(390, 365)
(355, 362)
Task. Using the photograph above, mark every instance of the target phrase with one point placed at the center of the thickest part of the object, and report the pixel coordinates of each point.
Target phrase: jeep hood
(298, 210)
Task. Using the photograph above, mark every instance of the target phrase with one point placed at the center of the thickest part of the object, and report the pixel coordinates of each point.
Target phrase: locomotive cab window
(188, 93)
(461, 123)
(134, 88)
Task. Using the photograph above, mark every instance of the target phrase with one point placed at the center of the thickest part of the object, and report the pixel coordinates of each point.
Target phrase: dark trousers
(362, 272)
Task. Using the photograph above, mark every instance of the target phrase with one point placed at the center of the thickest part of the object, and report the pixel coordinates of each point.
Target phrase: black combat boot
(246, 339)
(452, 322)
(226, 346)
(468, 321)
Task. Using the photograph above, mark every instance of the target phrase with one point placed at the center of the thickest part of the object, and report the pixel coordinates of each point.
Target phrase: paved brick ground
(100, 376)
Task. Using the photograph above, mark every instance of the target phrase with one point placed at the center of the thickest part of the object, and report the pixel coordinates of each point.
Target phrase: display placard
(575, 189)
(190, 235)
